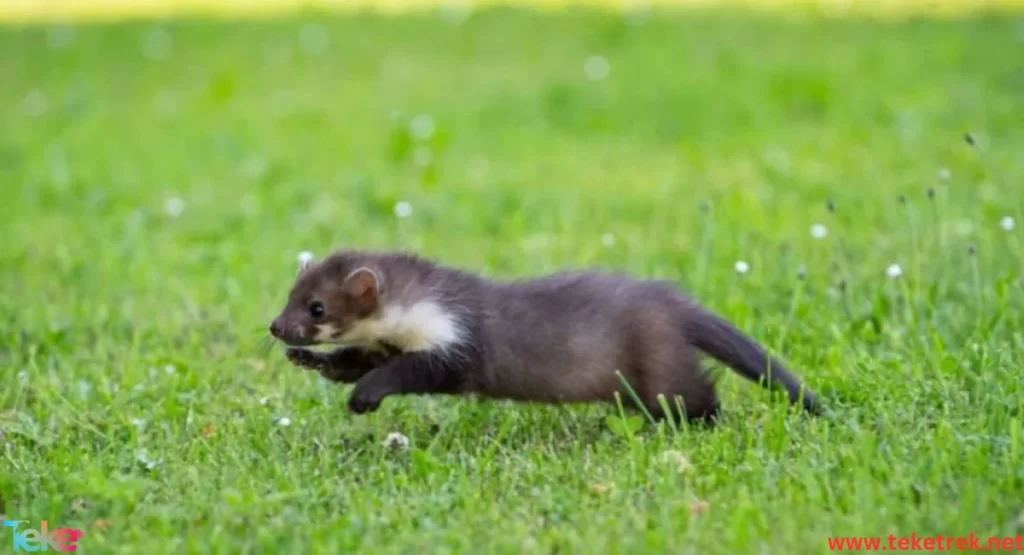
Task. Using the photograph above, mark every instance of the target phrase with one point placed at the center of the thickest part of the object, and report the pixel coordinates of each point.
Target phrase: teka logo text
(28, 539)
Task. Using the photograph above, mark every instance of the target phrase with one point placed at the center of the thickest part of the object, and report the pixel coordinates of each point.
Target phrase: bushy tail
(722, 341)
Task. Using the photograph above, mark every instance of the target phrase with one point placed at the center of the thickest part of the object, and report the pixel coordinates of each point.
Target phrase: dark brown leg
(407, 374)
(690, 393)
(342, 365)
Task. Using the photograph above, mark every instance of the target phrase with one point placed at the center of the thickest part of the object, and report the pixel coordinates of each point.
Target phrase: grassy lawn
(159, 180)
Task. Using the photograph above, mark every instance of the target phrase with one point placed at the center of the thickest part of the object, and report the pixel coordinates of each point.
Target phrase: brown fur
(559, 338)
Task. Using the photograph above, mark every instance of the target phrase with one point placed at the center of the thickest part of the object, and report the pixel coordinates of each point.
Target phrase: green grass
(139, 396)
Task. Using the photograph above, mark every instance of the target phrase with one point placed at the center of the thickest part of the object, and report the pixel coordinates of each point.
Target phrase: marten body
(407, 325)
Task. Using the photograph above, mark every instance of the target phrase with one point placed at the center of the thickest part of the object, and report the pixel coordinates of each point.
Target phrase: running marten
(408, 325)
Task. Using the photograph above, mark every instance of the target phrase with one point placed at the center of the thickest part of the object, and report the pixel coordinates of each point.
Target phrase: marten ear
(305, 261)
(363, 287)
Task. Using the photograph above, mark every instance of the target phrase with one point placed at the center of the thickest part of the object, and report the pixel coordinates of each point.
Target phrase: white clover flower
(144, 459)
(678, 459)
(596, 68)
(283, 421)
(174, 206)
(964, 228)
(403, 209)
(455, 13)
(156, 45)
(34, 103)
(305, 257)
(742, 267)
(636, 14)
(819, 231)
(313, 38)
(422, 127)
(894, 271)
(1007, 223)
(395, 440)
(253, 167)
(84, 387)
(60, 36)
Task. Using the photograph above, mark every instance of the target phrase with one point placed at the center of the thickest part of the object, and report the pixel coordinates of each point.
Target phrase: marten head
(328, 302)
(364, 299)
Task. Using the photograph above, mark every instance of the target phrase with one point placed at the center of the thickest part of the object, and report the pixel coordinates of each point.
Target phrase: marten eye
(316, 309)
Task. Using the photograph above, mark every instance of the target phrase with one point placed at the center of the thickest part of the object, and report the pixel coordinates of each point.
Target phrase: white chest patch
(421, 326)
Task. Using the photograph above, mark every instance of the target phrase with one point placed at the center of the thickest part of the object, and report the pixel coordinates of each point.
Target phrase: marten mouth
(297, 341)
(289, 336)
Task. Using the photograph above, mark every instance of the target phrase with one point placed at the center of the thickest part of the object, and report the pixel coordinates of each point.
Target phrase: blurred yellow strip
(71, 10)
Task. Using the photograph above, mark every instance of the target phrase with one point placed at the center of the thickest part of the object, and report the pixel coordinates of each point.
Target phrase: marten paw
(306, 359)
(360, 402)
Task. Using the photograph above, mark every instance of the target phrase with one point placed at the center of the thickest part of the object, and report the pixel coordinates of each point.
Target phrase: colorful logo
(61, 539)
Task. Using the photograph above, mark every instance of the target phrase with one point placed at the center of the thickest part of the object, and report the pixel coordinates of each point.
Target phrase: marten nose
(275, 329)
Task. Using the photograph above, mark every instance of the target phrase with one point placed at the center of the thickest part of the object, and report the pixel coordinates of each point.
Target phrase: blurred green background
(160, 176)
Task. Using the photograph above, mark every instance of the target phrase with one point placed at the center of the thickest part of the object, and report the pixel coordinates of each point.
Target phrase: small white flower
(143, 458)
(60, 36)
(678, 459)
(456, 13)
(1007, 223)
(313, 38)
(608, 239)
(819, 231)
(636, 15)
(156, 45)
(283, 421)
(264, 401)
(894, 271)
(135, 219)
(305, 257)
(174, 206)
(536, 241)
(596, 68)
(945, 174)
(165, 103)
(169, 369)
(395, 440)
(779, 158)
(422, 156)
(964, 228)
(254, 167)
(403, 209)
(742, 267)
(422, 127)
(34, 103)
